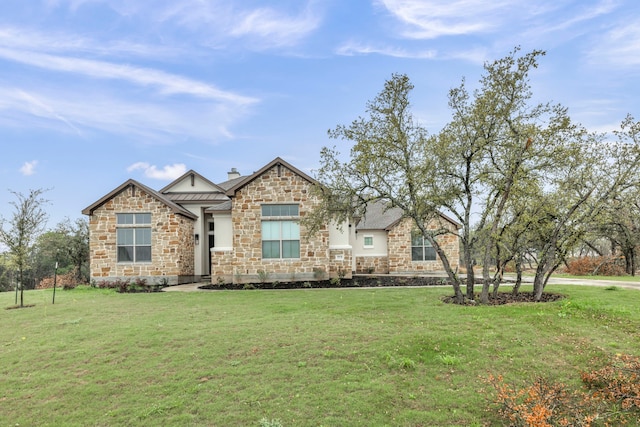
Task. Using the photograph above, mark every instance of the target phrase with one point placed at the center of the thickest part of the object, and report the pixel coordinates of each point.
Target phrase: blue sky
(93, 92)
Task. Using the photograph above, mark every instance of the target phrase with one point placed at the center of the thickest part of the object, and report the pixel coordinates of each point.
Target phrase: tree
(391, 160)
(68, 245)
(497, 148)
(28, 220)
(582, 191)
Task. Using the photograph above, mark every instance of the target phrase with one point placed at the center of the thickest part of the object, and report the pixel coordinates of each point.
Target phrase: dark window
(133, 237)
(421, 249)
(280, 231)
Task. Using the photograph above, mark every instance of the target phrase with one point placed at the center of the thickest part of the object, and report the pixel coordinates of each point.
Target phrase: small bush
(618, 382)
(318, 273)
(602, 266)
(263, 276)
(612, 398)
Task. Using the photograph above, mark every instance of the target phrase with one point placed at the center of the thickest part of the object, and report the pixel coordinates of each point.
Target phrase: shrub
(263, 276)
(618, 382)
(612, 398)
(318, 273)
(543, 404)
(603, 266)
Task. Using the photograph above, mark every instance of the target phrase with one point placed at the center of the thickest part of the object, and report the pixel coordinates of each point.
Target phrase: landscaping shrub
(126, 286)
(612, 398)
(618, 382)
(602, 266)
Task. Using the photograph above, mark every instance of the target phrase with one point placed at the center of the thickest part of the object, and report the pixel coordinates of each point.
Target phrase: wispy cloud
(429, 19)
(274, 27)
(168, 172)
(168, 84)
(137, 119)
(30, 39)
(356, 48)
(219, 22)
(29, 168)
(618, 47)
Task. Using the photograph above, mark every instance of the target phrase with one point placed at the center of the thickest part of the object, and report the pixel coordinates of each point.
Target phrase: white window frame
(425, 246)
(136, 222)
(279, 219)
(364, 241)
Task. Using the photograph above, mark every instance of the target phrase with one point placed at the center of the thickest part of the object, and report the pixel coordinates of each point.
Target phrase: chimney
(233, 174)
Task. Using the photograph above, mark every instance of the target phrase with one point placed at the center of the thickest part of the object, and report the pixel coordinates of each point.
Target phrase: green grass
(353, 357)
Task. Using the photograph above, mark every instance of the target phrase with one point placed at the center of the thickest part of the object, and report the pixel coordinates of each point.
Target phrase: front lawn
(313, 357)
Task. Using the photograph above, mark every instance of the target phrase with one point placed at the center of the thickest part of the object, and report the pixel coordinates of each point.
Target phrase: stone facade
(399, 247)
(244, 263)
(372, 264)
(172, 253)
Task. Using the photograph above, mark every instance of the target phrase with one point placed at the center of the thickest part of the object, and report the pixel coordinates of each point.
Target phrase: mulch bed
(508, 298)
(356, 282)
(386, 281)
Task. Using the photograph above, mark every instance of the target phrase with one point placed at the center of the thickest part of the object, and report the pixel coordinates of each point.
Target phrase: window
(133, 237)
(280, 231)
(421, 249)
(368, 241)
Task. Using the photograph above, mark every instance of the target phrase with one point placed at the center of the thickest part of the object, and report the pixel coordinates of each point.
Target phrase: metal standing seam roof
(195, 197)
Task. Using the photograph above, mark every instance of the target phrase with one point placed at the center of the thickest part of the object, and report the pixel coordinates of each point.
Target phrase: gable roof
(243, 181)
(192, 174)
(378, 216)
(175, 208)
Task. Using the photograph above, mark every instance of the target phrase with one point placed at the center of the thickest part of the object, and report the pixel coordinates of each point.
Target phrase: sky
(94, 92)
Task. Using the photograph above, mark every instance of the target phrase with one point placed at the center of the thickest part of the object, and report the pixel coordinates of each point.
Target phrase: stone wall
(372, 264)
(172, 245)
(399, 244)
(278, 185)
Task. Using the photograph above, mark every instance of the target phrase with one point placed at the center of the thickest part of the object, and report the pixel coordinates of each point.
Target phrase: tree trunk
(468, 261)
(516, 286)
(453, 278)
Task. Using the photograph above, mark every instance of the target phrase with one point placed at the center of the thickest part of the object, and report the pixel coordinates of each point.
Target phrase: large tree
(581, 191)
(391, 160)
(498, 146)
(20, 232)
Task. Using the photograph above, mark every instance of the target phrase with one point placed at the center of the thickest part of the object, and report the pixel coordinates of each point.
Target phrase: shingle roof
(378, 216)
(230, 183)
(219, 207)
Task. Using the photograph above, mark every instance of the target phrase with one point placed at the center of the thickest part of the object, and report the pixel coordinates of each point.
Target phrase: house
(247, 229)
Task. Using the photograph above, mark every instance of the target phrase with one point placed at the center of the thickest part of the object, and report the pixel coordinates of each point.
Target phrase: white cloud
(168, 84)
(66, 109)
(30, 39)
(355, 48)
(29, 168)
(168, 172)
(220, 21)
(618, 47)
(273, 27)
(435, 18)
